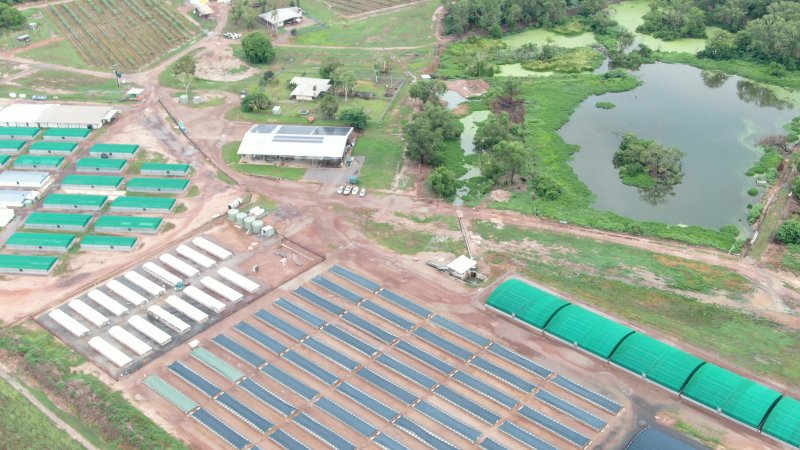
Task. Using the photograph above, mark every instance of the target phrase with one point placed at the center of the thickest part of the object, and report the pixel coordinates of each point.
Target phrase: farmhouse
(54, 115)
(203, 10)
(282, 16)
(308, 89)
(301, 142)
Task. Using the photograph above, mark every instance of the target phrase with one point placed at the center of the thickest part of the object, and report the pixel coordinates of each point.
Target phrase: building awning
(462, 265)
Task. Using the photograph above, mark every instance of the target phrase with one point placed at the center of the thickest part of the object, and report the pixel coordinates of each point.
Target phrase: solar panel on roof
(332, 131)
(299, 139)
(554, 426)
(243, 412)
(323, 432)
(296, 129)
(424, 435)
(367, 401)
(289, 381)
(267, 397)
(459, 427)
(265, 129)
(346, 417)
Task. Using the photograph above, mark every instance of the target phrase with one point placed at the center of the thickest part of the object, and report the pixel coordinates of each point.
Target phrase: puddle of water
(470, 127)
(453, 99)
(629, 15)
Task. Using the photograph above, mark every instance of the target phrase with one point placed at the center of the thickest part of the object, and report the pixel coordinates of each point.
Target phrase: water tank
(184, 99)
(248, 223)
(240, 218)
(232, 214)
(257, 225)
(268, 231)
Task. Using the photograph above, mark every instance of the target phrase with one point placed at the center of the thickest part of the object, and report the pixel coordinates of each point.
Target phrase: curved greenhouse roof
(733, 395)
(658, 362)
(589, 331)
(784, 421)
(529, 304)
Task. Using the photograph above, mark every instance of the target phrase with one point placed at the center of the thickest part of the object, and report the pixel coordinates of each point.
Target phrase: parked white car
(347, 190)
(363, 192)
(340, 190)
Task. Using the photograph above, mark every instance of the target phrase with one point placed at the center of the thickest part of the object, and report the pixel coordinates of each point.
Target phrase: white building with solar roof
(326, 145)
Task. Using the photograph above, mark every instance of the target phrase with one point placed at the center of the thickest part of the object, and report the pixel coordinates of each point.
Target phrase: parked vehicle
(39, 97)
(363, 192)
(347, 190)
(340, 190)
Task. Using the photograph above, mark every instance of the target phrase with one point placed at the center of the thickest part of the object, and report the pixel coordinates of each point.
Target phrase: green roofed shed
(165, 169)
(783, 423)
(125, 151)
(92, 181)
(74, 201)
(167, 185)
(58, 221)
(117, 243)
(66, 134)
(100, 165)
(48, 147)
(656, 361)
(27, 264)
(128, 223)
(4, 159)
(587, 330)
(11, 145)
(18, 132)
(731, 394)
(51, 242)
(172, 395)
(143, 204)
(38, 162)
(526, 302)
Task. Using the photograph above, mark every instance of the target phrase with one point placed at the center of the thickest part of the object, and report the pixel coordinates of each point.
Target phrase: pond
(452, 99)
(714, 119)
(629, 15)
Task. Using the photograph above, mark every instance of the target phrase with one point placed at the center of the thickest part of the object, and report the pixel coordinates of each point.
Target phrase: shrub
(752, 192)
(755, 213)
(605, 105)
(789, 232)
(356, 117)
(258, 48)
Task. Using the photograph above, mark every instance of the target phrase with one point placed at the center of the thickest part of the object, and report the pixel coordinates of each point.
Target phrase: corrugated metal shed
(589, 331)
(57, 220)
(115, 150)
(74, 201)
(162, 204)
(157, 184)
(41, 241)
(100, 165)
(172, 395)
(165, 169)
(99, 242)
(731, 394)
(52, 147)
(19, 178)
(11, 145)
(529, 304)
(783, 422)
(19, 132)
(27, 263)
(116, 223)
(104, 181)
(38, 161)
(658, 362)
(67, 133)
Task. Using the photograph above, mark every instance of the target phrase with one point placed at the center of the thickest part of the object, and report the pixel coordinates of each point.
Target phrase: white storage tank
(141, 325)
(257, 226)
(204, 299)
(248, 223)
(232, 295)
(240, 218)
(195, 256)
(127, 339)
(186, 309)
(88, 313)
(144, 283)
(212, 248)
(65, 320)
(112, 353)
(126, 293)
(109, 304)
(232, 214)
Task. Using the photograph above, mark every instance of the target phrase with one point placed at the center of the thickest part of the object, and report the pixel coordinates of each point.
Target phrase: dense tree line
(10, 17)
(493, 15)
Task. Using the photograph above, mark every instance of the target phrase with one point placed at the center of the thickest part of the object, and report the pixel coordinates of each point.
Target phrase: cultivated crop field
(352, 7)
(129, 33)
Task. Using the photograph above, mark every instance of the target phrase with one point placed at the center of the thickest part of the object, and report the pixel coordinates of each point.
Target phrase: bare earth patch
(500, 195)
(468, 88)
(216, 62)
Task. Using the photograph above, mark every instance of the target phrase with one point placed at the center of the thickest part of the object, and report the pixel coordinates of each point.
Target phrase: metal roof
(528, 303)
(54, 113)
(41, 239)
(102, 163)
(281, 15)
(732, 394)
(162, 167)
(38, 160)
(462, 264)
(23, 178)
(658, 362)
(589, 331)
(14, 196)
(309, 87)
(12, 144)
(156, 183)
(298, 141)
(67, 132)
(653, 439)
(127, 149)
(92, 180)
(54, 146)
(149, 223)
(117, 241)
(144, 202)
(27, 262)
(43, 218)
(783, 422)
(19, 131)
(4, 159)
(74, 199)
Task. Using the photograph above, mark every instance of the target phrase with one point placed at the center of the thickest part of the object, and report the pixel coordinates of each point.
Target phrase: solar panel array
(401, 376)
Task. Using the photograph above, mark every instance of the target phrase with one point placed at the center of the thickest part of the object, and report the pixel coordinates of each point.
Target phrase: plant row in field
(351, 7)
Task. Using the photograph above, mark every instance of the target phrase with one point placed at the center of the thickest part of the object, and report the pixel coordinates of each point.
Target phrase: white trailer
(239, 280)
(88, 313)
(204, 299)
(112, 353)
(195, 256)
(148, 329)
(184, 268)
(186, 309)
(110, 305)
(127, 339)
(211, 248)
(131, 296)
(232, 295)
(68, 322)
(167, 318)
(144, 283)
(164, 275)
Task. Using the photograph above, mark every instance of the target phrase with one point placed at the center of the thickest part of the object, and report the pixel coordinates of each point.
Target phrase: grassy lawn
(83, 87)
(384, 157)
(61, 52)
(403, 28)
(44, 29)
(70, 419)
(315, 9)
(621, 261)
(232, 159)
(449, 222)
(22, 424)
(408, 242)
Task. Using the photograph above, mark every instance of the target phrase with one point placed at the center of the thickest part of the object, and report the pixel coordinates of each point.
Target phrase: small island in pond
(647, 164)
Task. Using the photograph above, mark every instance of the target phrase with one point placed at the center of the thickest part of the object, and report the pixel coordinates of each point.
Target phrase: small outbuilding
(27, 264)
(462, 267)
(282, 16)
(309, 89)
(203, 10)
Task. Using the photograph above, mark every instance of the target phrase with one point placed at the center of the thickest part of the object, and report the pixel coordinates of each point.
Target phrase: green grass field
(78, 87)
(384, 153)
(22, 425)
(449, 222)
(406, 241)
(232, 159)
